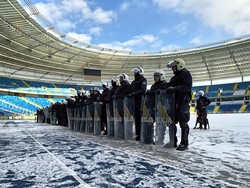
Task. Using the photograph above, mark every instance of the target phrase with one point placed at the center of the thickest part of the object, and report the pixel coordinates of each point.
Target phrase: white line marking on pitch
(63, 165)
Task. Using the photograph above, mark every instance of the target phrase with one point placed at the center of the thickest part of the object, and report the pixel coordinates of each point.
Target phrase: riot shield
(83, 119)
(70, 114)
(165, 120)
(110, 118)
(75, 118)
(52, 116)
(46, 115)
(97, 119)
(118, 119)
(90, 118)
(147, 120)
(129, 123)
(78, 118)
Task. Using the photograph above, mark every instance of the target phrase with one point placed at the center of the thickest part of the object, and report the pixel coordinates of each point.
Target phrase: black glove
(170, 90)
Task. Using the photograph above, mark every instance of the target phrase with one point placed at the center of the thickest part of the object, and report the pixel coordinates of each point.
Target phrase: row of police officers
(179, 85)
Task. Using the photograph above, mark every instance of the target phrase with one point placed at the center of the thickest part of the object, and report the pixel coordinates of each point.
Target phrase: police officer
(122, 90)
(137, 89)
(115, 86)
(181, 85)
(94, 96)
(81, 98)
(102, 101)
(159, 84)
(202, 103)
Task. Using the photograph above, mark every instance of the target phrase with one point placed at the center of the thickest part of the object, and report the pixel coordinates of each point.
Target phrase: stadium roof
(29, 51)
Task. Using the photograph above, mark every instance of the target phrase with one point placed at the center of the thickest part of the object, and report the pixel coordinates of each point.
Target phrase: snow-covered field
(41, 155)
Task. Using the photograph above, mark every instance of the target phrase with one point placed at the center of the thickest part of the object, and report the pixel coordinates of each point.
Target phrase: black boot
(184, 136)
(181, 147)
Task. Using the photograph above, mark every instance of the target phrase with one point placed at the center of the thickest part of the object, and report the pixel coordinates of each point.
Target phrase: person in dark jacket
(181, 85)
(94, 96)
(102, 101)
(115, 86)
(122, 90)
(136, 90)
(160, 84)
(202, 103)
(81, 98)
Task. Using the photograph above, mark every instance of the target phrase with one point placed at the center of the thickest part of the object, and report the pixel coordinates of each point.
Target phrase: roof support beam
(206, 64)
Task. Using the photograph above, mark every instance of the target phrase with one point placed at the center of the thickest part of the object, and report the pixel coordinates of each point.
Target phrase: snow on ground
(41, 155)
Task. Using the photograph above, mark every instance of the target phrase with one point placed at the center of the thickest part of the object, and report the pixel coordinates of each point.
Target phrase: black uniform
(103, 109)
(109, 96)
(202, 103)
(160, 85)
(137, 89)
(181, 84)
(122, 91)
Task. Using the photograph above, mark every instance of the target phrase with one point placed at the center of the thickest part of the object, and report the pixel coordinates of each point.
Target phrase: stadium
(40, 67)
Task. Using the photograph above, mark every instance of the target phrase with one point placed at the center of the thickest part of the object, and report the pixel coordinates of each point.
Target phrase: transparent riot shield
(70, 114)
(46, 115)
(78, 118)
(83, 119)
(147, 120)
(50, 116)
(129, 123)
(90, 118)
(75, 118)
(110, 118)
(165, 104)
(118, 119)
(97, 119)
(54, 118)
(40, 118)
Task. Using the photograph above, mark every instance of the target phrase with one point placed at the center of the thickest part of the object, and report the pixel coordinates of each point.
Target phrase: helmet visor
(171, 64)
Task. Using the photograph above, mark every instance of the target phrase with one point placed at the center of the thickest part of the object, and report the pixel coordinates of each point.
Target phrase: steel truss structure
(29, 51)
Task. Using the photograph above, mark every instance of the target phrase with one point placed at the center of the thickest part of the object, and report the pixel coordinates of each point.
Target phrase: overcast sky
(148, 25)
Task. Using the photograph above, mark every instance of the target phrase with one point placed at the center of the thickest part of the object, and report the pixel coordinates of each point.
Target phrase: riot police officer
(181, 85)
(137, 89)
(122, 90)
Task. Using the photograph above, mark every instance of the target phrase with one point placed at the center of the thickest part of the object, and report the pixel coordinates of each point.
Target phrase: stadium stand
(29, 51)
(225, 98)
(19, 104)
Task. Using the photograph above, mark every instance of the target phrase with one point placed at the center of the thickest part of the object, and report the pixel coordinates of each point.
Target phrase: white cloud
(132, 4)
(95, 31)
(124, 6)
(164, 31)
(50, 11)
(182, 28)
(196, 40)
(166, 4)
(66, 24)
(74, 5)
(67, 9)
(145, 40)
(101, 16)
(114, 45)
(80, 37)
(140, 39)
(231, 15)
(170, 47)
